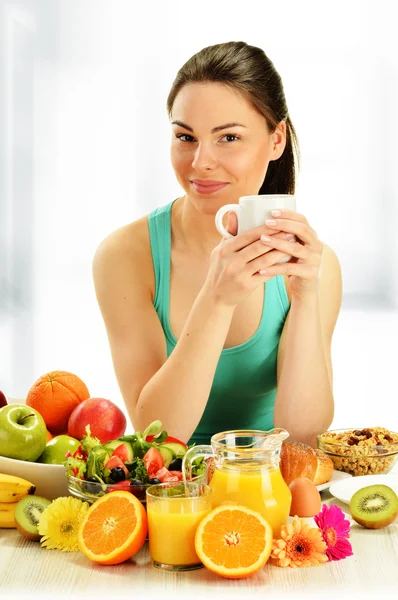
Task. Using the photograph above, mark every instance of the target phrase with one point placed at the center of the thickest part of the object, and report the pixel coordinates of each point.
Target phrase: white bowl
(50, 480)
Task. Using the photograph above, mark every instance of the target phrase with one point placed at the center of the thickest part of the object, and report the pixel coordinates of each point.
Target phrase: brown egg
(306, 500)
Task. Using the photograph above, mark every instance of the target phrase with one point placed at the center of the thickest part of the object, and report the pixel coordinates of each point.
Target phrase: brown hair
(247, 69)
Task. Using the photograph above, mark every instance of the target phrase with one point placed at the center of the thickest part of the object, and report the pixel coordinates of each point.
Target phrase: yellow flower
(59, 524)
(299, 546)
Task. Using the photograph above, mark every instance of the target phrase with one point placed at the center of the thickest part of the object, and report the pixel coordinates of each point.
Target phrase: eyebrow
(214, 130)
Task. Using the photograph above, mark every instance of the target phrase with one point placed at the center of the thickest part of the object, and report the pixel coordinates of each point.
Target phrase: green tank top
(244, 386)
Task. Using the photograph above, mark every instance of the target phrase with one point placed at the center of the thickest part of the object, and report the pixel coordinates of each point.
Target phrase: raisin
(353, 441)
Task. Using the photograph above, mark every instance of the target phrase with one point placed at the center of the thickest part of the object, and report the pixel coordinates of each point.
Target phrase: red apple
(3, 400)
(107, 422)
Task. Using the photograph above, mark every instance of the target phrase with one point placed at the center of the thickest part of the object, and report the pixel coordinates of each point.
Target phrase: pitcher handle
(191, 454)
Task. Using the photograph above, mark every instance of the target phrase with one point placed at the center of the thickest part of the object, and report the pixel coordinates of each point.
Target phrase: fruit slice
(233, 541)
(27, 514)
(114, 529)
(178, 448)
(374, 506)
(167, 454)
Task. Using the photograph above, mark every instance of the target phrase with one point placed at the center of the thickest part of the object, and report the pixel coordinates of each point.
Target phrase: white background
(85, 149)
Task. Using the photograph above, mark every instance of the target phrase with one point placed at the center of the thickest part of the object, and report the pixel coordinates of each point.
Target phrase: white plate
(336, 476)
(344, 490)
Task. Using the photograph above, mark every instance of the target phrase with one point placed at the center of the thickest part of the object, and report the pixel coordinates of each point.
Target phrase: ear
(278, 141)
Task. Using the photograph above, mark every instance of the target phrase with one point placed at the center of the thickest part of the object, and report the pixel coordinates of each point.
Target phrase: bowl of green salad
(132, 463)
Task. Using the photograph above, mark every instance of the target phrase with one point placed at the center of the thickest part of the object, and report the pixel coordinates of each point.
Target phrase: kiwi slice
(27, 514)
(374, 506)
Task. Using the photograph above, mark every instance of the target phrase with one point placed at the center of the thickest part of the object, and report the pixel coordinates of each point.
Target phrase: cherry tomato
(153, 462)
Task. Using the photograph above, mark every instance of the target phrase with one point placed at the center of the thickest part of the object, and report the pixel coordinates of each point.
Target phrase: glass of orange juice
(174, 512)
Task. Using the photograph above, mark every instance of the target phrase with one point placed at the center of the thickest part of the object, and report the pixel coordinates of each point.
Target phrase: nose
(204, 158)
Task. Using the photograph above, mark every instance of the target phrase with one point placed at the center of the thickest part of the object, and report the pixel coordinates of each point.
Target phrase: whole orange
(55, 395)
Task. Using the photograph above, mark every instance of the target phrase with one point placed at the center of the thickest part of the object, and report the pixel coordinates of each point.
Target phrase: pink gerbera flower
(335, 530)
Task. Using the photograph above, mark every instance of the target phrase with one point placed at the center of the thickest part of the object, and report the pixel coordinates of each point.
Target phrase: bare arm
(304, 404)
(152, 385)
(175, 389)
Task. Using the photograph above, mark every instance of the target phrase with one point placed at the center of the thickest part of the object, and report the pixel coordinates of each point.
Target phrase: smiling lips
(207, 186)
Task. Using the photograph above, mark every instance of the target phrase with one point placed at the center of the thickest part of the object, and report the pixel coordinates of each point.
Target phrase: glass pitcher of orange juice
(246, 471)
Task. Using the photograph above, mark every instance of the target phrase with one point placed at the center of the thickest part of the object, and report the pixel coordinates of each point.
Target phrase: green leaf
(160, 437)
(198, 466)
(89, 442)
(137, 470)
(141, 447)
(72, 463)
(152, 429)
(128, 438)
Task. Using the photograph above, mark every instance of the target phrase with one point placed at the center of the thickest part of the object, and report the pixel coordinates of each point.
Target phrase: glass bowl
(90, 491)
(369, 451)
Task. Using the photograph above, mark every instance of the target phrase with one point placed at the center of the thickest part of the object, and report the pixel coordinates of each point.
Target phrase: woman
(207, 334)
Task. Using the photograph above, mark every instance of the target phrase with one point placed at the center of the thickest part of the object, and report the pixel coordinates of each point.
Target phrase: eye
(182, 135)
(231, 135)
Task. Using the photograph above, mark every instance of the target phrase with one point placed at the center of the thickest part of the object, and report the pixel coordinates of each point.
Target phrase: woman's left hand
(304, 267)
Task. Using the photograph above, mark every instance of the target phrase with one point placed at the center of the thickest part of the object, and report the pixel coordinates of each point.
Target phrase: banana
(13, 489)
(7, 518)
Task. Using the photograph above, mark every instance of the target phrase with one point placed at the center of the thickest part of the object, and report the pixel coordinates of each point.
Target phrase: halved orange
(233, 541)
(114, 528)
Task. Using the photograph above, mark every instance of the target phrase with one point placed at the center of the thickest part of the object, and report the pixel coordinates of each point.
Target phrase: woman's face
(204, 149)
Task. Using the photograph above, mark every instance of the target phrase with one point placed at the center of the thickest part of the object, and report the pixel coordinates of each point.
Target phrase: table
(29, 571)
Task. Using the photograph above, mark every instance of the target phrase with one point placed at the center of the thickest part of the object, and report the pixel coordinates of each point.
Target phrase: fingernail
(263, 271)
(276, 213)
(289, 236)
(265, 238)
(270, 223)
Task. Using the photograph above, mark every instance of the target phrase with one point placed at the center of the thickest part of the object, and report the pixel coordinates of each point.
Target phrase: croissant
(300, 460)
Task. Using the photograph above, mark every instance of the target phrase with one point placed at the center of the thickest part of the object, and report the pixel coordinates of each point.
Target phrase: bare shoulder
(125, 251)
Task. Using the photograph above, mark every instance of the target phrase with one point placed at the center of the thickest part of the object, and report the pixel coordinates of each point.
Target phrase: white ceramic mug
(252, 211)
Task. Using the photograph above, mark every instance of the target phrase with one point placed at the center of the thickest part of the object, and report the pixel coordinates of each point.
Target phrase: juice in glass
(173, 518)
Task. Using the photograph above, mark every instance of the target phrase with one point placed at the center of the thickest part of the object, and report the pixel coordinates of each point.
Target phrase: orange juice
(172, 524)
(263, 490)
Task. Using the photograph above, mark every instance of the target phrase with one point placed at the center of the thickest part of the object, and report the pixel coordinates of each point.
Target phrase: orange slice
(114, 528)
(233, 541)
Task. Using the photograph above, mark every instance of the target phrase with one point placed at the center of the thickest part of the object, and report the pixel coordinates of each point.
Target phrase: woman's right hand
(235, 263)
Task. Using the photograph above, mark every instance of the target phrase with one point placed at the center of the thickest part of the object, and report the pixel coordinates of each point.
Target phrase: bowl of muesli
(369, 451)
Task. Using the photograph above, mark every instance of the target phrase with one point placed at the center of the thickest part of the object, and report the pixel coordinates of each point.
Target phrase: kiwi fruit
(374, 506)
(27, 514)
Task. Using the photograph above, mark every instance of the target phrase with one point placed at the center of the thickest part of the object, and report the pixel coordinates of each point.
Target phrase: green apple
(23, 433)
(54, 452)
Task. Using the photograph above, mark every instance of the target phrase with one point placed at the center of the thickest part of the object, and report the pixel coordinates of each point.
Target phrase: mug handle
(219, 217)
